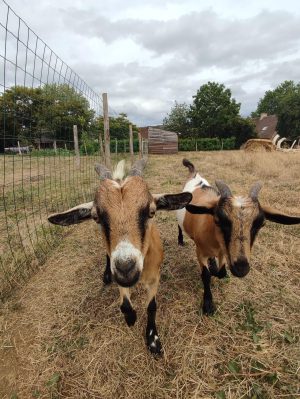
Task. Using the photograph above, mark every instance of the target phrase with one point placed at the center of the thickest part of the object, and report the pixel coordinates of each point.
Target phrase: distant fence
(41, 99)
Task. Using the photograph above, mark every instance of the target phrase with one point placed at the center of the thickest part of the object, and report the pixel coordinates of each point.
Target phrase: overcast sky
(146, 55)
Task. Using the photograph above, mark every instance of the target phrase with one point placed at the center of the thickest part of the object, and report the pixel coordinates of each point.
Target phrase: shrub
(206, 144)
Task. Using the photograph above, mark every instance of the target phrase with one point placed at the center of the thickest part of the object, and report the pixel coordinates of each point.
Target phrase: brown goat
(223, 226)
(124, 209)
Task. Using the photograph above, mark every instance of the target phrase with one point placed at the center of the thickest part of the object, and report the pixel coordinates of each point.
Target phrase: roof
(265, 126)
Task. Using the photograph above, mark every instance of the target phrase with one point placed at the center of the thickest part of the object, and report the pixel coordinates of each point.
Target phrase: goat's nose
(125, 266)
(240, 267)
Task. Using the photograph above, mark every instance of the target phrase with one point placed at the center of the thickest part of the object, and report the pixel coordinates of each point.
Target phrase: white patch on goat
(190, 186)
(155, 338)
(240, 201)
(125, 251)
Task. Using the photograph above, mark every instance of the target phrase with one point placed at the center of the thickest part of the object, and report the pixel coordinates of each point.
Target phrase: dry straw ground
(62, 335)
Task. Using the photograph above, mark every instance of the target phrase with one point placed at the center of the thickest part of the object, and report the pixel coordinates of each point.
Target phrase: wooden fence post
(106, 130)
(116, 150)
(140, 146)
(101, 145)
(76, 146)
(131, 144)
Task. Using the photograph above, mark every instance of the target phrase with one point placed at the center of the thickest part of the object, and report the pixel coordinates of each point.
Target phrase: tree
(213, 112)
(19, 114)
(289, 115)
(118, 126)
(51, 110)
(283, 101)
(60, 108)
(272, 101)
(177, 119)
(243, 130)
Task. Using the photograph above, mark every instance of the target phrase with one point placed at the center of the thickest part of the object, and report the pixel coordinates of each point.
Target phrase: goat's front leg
(107, 277)
(180, 236)
(214, 268)
(152, 338)
(126, 306)
(208, 305)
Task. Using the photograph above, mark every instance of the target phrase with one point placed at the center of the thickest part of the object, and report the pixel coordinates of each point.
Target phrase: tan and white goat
(124, 208)
(223, 226)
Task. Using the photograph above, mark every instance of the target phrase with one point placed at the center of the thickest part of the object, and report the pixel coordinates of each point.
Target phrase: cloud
(147, 56)
(202, 37)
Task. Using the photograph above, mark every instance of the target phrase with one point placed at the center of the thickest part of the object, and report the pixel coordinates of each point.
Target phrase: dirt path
(62, 335)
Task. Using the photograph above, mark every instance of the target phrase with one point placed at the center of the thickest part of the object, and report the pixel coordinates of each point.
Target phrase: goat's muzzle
(126, 272)
(240, 268)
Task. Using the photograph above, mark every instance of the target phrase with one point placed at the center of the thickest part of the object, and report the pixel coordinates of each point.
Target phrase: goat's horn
(137, 168)
(255, 189)
(103, 172)
(224, 190)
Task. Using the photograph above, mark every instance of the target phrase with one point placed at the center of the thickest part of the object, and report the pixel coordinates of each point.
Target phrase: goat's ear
(200, 210)
(171, 202)
(75, 215)
(276, 216)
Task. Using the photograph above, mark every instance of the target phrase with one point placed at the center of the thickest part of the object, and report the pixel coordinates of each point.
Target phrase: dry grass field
(62, 334)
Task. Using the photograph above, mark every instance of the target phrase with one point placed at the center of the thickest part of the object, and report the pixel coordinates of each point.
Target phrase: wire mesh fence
(41, 99)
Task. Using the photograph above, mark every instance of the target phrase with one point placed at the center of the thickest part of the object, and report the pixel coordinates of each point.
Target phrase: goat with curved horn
(103, 171)
(254, 190)
(224, 230)
(124, 209)
(224, 190)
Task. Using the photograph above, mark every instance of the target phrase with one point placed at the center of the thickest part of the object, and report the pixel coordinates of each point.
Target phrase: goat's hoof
(130, 318)
(181, 243)
(107, 278)
(154, 344)
(208, 308)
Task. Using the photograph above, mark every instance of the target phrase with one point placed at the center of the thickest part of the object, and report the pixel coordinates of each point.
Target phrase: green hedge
(189, 144)
(92, 147)
(206, 144)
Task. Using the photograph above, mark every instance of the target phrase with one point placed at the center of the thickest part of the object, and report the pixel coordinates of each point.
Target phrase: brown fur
(122, 203)
(207, 235)
(225, 227)
(124, 209)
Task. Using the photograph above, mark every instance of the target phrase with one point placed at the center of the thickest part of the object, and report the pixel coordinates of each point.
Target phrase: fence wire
(41, 98)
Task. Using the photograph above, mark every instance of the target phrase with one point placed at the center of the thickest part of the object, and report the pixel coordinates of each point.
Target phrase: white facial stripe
(125, 251)
(240, 201)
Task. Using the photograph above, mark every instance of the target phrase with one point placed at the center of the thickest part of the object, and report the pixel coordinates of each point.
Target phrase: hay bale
(259, 145)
